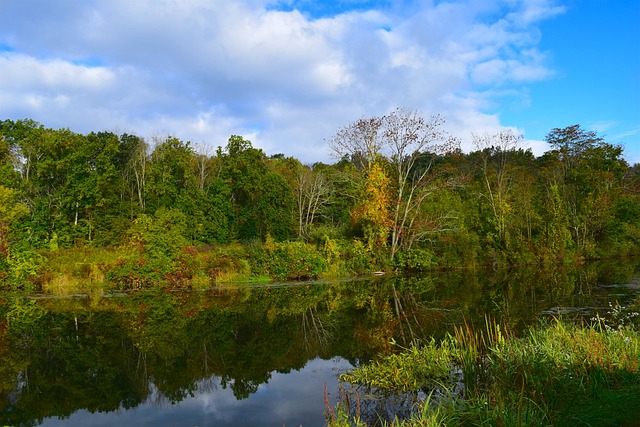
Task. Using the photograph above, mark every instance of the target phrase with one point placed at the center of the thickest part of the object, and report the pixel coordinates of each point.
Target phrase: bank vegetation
(108, 211)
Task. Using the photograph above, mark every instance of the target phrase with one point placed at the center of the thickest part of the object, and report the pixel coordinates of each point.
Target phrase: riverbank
(142, 267)
(158, 263)
(558, 373)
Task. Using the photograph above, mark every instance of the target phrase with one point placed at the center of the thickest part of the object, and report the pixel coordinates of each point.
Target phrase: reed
(556, 374)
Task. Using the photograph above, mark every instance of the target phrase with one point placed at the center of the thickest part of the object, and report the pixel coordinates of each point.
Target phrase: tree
(310, 188)
(558, 238)
(313, 192)
(570, 143)
(374, 207)
(134, 168)
(590, 173)
(361, 140)
(92, 183)
(11, 210)
(497, 175)
(405, 139)
(171, 178)
(9, 176)
(263, 201)
(202, 163)
(23, 139)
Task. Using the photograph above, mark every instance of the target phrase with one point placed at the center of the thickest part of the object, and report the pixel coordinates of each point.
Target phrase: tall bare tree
(313, 192)
(138, 167)
(410, 143)
(362, 140)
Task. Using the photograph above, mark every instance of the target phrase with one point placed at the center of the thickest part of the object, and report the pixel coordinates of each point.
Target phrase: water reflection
(274, 403)
(217, 357)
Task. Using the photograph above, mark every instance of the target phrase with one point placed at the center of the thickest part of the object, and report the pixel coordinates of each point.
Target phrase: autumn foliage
(374, 208)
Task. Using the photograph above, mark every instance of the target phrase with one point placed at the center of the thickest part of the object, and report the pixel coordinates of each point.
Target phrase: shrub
(23, 269)
(288, 260)
(137, 272)
(228, 263)
(358, 259)
(161, 236)
(319, 233)
(416, 260)
(154, 247)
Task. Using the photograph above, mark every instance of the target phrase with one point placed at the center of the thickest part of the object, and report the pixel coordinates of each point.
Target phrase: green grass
(557, 374)
(609, 407)
(76, 270)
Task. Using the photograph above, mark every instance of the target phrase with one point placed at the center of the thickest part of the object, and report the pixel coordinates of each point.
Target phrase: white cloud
(25, 72)
(538, 147)
(203, 70)
(602, 126)
(533, 11)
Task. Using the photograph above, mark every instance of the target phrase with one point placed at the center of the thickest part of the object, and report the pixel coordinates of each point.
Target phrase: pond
(256, 355)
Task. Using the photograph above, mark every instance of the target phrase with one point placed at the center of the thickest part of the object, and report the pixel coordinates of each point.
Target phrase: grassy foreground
(557, 374)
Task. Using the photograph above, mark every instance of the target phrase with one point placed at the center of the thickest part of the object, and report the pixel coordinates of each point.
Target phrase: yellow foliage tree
(374, 209)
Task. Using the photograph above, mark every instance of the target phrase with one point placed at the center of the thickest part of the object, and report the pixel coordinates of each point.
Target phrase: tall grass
(136, 266)
(76, 270)
(556, 374)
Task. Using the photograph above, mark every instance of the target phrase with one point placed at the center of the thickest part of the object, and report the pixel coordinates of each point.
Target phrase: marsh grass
(556, 374)
(415, 368)
(91, 270)
(76, 270)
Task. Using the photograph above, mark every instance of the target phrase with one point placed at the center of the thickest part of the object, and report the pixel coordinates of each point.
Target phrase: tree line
(401, 193)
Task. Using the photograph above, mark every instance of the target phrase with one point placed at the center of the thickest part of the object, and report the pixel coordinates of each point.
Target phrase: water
(291, 399)
(251, 356)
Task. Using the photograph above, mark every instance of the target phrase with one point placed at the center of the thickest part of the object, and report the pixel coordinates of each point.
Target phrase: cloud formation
(285, 74)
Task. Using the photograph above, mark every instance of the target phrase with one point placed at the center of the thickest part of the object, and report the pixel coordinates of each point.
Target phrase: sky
(287, 74)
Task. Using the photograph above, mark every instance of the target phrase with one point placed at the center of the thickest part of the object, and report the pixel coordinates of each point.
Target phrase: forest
(401, 196)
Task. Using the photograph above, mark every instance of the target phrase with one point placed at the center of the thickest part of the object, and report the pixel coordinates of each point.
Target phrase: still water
(248, 356)
(290, 399)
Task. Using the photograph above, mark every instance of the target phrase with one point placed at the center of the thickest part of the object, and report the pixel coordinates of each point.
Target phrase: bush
(23, 269)
(289, 260)
(358, 260)
(228, 263)
(161, 236)
(155, 246)
(319, 233)
(416, 260)
(136, 272)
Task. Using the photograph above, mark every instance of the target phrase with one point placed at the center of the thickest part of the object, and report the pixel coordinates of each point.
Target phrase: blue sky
(594, 52)
(286, 74)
